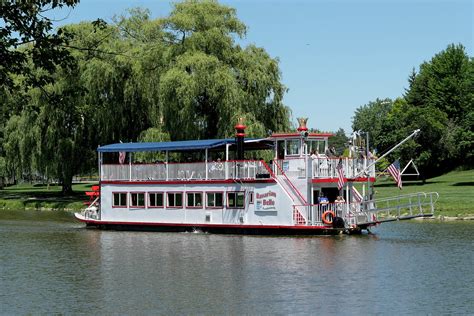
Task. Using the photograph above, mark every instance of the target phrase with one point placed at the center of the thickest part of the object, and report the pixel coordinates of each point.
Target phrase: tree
(339, 140)
(26, 38)
(439, 102)
(371, 118)
(446, 84)
(211, 80)
(139, 79)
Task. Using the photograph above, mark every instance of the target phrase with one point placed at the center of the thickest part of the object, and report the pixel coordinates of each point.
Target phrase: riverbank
(456, 195)
(41, 197)
(455, 189)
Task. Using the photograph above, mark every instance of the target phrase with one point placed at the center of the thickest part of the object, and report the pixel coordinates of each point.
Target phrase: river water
(51, 264)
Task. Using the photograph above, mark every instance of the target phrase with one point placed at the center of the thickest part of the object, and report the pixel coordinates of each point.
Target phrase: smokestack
(239, 138)
(302, 129)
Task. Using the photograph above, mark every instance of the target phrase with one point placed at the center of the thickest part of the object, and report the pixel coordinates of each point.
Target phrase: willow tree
(211, 80)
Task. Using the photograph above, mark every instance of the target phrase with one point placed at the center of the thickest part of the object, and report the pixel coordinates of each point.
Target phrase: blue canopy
(174, 146)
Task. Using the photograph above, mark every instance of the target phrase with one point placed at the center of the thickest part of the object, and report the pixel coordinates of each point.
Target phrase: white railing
(325, 167)
(401, 207)
(407, 205)
(245, 169)
(293, 167)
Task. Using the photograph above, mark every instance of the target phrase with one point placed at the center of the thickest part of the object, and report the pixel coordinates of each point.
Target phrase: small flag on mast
(122, 155)
(340, 171)
(394, 170)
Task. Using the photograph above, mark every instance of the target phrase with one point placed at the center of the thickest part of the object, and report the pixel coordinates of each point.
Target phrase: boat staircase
(299, 202)
(402, 207)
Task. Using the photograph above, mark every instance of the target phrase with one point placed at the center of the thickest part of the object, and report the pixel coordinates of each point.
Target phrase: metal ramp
(391, 209)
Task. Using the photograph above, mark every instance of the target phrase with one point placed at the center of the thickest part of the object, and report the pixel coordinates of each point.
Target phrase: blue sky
(334, 55)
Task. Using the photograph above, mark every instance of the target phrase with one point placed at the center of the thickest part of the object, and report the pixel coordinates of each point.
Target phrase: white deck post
(130, 166)
(166, 164)
(227, 161)
(207, 170)
(99, 162)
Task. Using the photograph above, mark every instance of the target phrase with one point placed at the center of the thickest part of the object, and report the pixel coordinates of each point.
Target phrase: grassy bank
(456, 194)
(42, 197)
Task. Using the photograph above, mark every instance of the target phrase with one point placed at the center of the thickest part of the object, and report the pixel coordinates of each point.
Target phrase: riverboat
(303, 190)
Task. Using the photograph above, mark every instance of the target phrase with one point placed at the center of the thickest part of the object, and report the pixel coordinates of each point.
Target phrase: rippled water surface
(51, 264)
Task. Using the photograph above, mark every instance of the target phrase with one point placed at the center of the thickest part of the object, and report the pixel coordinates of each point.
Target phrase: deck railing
(325, 167)
(225, 170)
(380, 210)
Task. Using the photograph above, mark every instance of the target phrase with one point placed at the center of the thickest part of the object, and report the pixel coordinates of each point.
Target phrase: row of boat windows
(234, 199)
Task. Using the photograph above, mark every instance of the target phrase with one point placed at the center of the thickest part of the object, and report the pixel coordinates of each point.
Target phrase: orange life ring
(325, 214)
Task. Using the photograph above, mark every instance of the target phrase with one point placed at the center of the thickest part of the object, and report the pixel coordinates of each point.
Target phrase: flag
(122, 155)
(394, 170)
(356, 196)
(340, 172)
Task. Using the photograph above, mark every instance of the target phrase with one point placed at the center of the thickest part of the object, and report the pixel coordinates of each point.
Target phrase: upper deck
(320, 168)
(297, 155)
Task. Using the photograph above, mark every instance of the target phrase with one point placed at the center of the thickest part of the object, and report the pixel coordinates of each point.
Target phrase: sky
(334, 56)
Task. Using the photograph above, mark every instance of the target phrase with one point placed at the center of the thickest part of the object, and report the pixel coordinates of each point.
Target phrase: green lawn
(39, 196)
(456, 191)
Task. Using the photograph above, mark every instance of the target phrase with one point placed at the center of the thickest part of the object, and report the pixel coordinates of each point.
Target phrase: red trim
(137, 206)
(215, 207)
(360, 179)
(281, 135)
(168, 201)
(298, 227)
(227, 200)
(194, 192)
(190, 181)
(126, 199)
(322, 180)
(163, 199)
(240, 126)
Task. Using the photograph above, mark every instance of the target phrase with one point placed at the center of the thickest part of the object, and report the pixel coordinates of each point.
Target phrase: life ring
(325, 215)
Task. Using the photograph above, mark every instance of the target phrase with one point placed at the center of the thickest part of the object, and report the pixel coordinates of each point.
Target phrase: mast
(415, 132)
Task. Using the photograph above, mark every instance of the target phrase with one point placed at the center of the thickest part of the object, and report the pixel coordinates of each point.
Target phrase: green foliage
(152, 135)
(26, 39)
(446, 84)
(372, 118)
(439, 102)
(179, 77)
(340, 141)
(211, 81)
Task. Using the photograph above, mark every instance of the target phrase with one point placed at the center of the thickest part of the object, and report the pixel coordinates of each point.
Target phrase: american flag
(394, 170)
(356, 195)
(340, 171)
(122, 155)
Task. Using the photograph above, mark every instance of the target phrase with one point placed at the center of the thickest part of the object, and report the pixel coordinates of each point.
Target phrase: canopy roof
(254, 143)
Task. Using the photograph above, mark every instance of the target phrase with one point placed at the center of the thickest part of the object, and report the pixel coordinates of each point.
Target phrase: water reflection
(50, 266)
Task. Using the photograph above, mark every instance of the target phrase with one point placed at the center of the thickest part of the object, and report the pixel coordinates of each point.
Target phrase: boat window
(120, 199)
(316, 146)
(155, 199)
(137, 199)
(214, 199)
(235, 199)
(194, 199)
(175, 199)
(293, 147)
